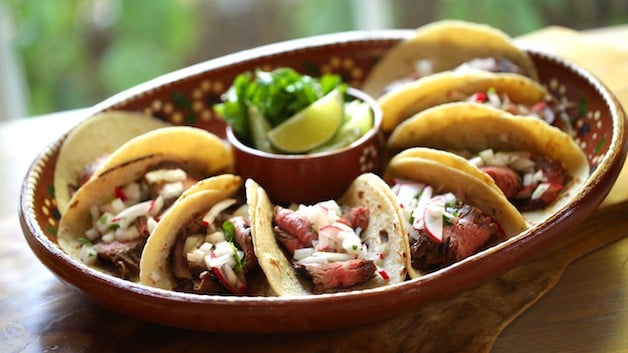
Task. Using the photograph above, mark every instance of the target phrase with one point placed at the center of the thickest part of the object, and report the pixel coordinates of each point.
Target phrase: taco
(110, 217)
(353, 243)
(537, 166)
(204, 245)
(448, 215)
(88, 145)
(513, 93)
(447, 45)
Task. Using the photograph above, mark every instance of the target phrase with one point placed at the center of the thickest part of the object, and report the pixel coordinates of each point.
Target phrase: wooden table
(582, 308)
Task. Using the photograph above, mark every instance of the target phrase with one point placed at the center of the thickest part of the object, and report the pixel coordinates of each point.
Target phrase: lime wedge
(311, 127)
(358, 120)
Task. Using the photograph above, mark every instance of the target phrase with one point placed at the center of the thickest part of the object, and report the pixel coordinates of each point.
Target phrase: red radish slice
(223, 280)
(433, 221)
(419, 211)
(327, 236)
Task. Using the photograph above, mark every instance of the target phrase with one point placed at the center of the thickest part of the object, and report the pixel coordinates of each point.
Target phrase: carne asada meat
(441, 228)
(425, 68)
(469, 233)
(343, 274)
(213, 256)
(324, 245)
(124, 256)
(121, 226)
(530, 182)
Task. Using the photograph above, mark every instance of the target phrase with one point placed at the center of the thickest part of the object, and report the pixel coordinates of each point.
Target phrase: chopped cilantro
(229, 231)
(238, 268)
(85, 241)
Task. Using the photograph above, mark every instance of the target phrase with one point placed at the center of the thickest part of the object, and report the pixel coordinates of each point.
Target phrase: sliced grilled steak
(293, 224)
(338, 274)
(244, 240)
(555, 174)
(289, 242)
(358, 217)
(125, 256)
(506, 179)
(471, 231)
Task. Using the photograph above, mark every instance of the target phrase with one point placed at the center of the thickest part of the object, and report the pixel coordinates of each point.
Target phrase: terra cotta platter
(185, 97)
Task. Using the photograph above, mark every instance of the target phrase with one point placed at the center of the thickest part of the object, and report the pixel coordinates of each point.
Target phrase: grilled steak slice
(358, 217)
(471, 231)
(293, 224)
(245, 242)
(506, 179)
(125, 256)
(555, 174)
(338, 274)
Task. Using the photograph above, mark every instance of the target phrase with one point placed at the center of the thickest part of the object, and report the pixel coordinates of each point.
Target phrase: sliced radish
(423, 201)
(433, 221)
(406, 192)
(223, 280)
(328, 237)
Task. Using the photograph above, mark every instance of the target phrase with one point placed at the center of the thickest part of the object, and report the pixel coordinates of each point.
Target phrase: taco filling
(121, 226)
(441, 228)
(214, 253)
(425, 68)
(324, 245)
(529, 181)
(549, 110)
(86, 173)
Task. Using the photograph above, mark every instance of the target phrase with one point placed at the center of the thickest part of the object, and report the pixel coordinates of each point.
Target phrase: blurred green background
(74, 53)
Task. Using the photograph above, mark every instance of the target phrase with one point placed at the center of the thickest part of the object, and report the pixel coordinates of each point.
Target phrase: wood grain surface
(573, 298)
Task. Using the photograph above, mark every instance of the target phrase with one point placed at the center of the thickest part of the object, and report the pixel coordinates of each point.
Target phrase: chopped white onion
(215, 237)
(172, 190)
(104, 222)
(132, 192)
(117, 205)
(539, 191)
(126, 234)
(108, 237)
(92, 233)
(151, 223)
(165, 175)
(302, 253)
(88, 254)
(216, 209)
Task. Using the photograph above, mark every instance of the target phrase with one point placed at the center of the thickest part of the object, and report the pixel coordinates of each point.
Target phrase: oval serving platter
(185, 97)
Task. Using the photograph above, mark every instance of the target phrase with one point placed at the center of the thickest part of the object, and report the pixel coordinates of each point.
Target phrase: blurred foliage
(77, 52)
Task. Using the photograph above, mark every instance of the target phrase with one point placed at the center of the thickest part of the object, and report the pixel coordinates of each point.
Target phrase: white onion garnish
(165, 175)
(540, 190)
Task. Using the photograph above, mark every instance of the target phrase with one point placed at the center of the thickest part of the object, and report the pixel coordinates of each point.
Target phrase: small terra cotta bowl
(309, 178)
